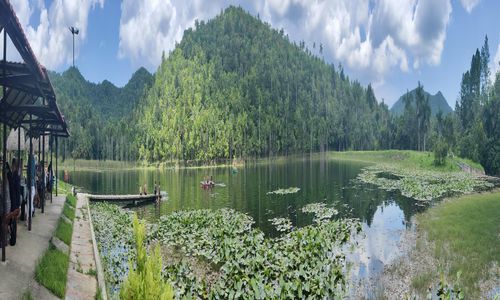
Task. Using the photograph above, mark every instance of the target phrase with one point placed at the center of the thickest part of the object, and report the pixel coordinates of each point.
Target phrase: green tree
(145, 281)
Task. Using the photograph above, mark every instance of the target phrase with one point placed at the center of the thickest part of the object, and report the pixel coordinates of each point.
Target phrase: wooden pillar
(42, 196)
(4, 188)
(4, 155)
(57, 174)
(19, 146)
(51, 144)
(30, 179)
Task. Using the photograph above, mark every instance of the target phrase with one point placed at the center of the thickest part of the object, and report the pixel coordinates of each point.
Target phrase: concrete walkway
(17, 273)
(82, 282)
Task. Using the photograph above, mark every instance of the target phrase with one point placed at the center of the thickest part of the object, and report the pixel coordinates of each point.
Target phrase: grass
(69, 211)
(91, 272)
(83, 164)
(465, 235)
(71, 200)
(98, 294)
(405, 159)
(64, 231)
(52, 270)
(63, 187)
(27, 295)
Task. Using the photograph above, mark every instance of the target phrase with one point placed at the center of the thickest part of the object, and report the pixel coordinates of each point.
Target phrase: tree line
(234, 88)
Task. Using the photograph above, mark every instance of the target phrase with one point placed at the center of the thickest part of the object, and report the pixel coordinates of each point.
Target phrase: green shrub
(145, 281)
(440, 153)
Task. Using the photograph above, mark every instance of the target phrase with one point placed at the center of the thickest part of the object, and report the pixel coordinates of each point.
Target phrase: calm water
(384, 215)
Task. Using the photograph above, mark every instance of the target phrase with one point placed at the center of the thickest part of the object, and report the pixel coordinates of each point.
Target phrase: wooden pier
(124, 198)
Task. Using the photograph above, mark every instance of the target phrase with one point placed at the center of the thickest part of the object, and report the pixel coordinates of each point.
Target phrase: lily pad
(290, 190)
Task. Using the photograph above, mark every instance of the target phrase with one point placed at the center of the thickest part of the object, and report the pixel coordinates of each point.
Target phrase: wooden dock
(123, 198)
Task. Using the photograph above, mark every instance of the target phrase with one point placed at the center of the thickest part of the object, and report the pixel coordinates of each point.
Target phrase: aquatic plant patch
(115, 239)
(422, 185)
(243, 262)
(290, 190)
(281, 224)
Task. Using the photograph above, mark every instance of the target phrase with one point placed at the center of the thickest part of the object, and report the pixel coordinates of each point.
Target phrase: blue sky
(392, 44)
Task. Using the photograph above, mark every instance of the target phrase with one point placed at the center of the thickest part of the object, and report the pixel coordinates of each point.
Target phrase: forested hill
(235, 87)
(99, 115)
(437, 103)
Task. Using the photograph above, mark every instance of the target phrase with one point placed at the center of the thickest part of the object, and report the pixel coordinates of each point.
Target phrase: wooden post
(30, 162)
(51, 144)
(19, 146)
(42, 196)
(57, 175)
(4, 155)
(4, 188)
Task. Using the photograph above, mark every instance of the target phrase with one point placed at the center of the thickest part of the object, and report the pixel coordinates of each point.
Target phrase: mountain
(234, 88)
(437, 103)
(99, 115)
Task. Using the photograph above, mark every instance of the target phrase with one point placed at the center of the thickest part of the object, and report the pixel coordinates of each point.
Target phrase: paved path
(81, 284)
(17, 273)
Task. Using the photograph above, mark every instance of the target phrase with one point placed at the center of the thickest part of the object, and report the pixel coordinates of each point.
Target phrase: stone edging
(100, 273)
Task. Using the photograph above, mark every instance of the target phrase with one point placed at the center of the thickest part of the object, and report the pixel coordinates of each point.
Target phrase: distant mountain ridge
(437, 103)
(100, 115)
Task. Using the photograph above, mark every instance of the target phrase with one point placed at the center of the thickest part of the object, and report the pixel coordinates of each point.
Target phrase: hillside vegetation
(235, 87)
(99, 115)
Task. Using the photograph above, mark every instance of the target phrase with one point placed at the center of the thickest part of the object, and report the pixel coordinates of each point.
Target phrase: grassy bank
(464, 234)
(52, 269)
(402, 158)
(405, 159)
(84, 164)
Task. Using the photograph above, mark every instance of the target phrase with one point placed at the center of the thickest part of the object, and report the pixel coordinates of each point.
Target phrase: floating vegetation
(290, 190)
(321, 212)
(281, 224)
(420, 184)
(115, 239)
(304, 263)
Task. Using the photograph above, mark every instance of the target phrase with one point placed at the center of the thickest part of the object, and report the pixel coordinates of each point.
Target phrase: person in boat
(140, 190)
(155, 189)
(145, 190)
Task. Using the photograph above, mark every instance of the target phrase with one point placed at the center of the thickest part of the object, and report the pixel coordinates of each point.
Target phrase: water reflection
(379, 242)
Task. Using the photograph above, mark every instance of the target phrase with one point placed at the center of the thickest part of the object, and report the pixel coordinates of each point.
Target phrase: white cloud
(469, 4)
(50, 39)
(495, 67)
(149, 27)
(370, 37)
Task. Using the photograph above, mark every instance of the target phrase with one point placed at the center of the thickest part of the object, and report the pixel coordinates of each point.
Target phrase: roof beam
(15, 79)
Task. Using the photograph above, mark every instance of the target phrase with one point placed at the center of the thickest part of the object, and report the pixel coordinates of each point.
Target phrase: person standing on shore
(32, 172)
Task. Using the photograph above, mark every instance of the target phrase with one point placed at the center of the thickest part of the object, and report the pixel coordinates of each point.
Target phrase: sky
(391, 44)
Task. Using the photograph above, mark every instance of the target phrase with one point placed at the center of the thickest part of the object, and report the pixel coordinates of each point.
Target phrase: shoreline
(404, 158)
(418, 263)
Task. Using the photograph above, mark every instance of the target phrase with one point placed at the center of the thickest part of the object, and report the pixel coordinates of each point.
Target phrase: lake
(384, 215)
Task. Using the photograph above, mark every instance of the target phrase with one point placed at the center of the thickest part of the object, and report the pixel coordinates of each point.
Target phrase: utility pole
(74, 31)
